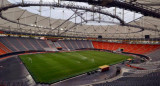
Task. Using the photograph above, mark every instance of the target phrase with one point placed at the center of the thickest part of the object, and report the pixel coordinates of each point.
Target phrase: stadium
(79, 42)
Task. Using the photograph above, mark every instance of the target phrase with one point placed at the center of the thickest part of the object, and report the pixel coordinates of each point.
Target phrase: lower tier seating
(154, 55)
(4, 49)
(132, 48)
(151, 79)
(74, 44)
(16, 44)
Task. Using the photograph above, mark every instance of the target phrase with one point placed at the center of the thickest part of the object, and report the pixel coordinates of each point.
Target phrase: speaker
(99, 37)
(147, 37)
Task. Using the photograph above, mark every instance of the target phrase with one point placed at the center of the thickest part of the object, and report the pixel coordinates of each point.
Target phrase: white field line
(67, 79)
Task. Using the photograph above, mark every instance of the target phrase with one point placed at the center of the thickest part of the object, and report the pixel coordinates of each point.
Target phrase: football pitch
(53, 67)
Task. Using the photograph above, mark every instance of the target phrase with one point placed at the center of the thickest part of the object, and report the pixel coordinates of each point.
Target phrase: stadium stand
(56, 44)
(35, 44)
(79, 44)
(51, 46)
(63, 45)
(131, 48)
(68, 44)
(104, 21)
(4, 49)
(27, 44)
(151, 79)
(74, 44)
(7, 43)
(154, 55)
(2, 52)
(15, 44)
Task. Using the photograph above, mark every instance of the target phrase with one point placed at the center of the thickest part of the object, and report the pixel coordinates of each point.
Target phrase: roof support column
(2, 3)
(22, 1)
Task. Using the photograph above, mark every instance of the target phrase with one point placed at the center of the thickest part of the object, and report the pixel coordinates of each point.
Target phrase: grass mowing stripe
(52, 67)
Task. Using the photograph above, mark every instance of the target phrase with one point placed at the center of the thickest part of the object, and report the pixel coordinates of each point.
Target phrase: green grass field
(52, 67)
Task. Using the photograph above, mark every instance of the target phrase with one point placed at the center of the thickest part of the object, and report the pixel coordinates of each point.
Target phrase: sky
(63, 13)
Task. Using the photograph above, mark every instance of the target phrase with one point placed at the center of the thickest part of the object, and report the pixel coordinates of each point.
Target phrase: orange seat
(131, 48)
(4, 49)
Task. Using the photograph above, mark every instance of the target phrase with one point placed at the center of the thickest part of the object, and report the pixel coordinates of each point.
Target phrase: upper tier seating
(132, 48)
(75, 44)
(15, 44)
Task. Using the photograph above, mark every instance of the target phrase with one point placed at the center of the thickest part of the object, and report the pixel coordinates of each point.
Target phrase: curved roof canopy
(55, 20)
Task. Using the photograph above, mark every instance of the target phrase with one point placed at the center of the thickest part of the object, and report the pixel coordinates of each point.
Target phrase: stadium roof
(70, 22)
